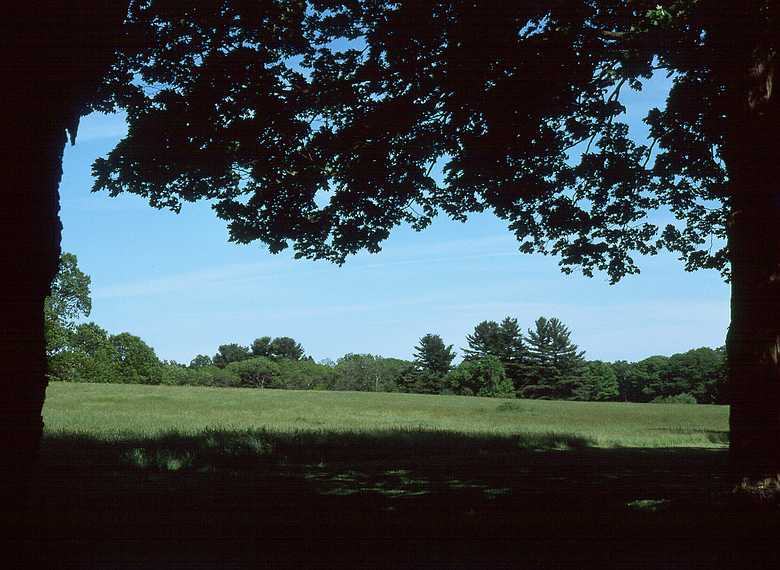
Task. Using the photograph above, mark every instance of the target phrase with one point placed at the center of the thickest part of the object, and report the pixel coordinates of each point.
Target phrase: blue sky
(175, 280)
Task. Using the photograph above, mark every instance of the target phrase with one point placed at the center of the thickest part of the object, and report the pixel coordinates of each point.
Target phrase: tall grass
(111, 410)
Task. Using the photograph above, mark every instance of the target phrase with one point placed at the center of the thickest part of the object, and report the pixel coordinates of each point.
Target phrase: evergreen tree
(513, 352)
(484, 341)
(511, 342)
(431, 354)
(555, 365)
(432, 361)
(504, 341)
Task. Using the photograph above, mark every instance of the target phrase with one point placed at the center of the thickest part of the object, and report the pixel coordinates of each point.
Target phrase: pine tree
(513, 353)
(433, 360)
(555, 365)
(484, 341)
(431, 354)
(504, 341)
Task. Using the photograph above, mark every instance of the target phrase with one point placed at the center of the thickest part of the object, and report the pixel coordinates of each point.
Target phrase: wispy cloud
(211, 277)
(232, 275)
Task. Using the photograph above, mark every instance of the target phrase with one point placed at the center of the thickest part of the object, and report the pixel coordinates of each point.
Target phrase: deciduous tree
(136, 360)
(480, 377)
(232, 352)
(520, 102)
(89, 356)
(599, 383)
(257, 372)
(68, 301)
(200, 361)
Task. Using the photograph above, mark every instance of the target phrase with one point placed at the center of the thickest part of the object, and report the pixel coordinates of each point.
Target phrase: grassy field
(102, 410)
(175, 477)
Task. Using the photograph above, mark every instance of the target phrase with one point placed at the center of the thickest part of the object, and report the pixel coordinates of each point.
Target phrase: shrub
(510, 407)
(684, 398)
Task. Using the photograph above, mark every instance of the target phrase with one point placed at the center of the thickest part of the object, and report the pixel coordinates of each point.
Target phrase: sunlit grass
(117, 411)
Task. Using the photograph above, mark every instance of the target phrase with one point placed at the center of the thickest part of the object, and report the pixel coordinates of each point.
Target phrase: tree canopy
(320, 124)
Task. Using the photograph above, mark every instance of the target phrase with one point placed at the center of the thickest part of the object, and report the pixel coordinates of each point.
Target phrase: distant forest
(499, 360)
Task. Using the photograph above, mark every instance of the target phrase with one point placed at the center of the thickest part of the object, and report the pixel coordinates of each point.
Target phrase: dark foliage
(261, 107)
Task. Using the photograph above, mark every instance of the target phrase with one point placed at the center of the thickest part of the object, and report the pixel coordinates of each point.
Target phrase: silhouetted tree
(471, 84)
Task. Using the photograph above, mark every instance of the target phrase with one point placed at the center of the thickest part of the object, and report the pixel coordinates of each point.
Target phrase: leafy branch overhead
(324, 125)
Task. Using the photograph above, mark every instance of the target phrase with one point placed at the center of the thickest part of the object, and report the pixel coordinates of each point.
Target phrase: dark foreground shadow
(413, 499)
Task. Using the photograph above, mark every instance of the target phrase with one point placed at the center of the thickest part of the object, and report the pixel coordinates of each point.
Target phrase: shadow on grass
(713, 436)
(399, 497)
(215, 449)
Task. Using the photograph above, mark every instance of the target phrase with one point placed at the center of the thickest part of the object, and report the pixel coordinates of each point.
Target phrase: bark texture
(753, 345)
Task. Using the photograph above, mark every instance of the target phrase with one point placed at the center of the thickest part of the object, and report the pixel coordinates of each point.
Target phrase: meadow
(152, 476)
(101, 410)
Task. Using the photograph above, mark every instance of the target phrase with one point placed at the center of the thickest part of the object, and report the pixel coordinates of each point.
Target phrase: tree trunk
(53, 55)
(29, 253)
(753, 344)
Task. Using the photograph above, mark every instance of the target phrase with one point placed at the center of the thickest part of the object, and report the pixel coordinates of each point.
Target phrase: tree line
(500, 360)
